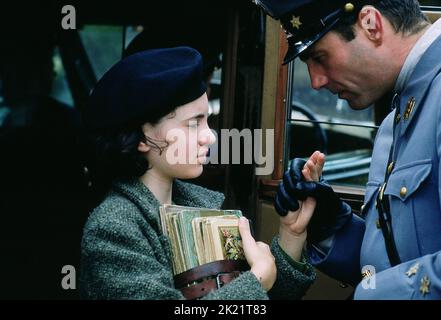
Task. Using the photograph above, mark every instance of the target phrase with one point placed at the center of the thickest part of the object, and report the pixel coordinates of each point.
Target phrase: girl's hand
(293, 226)
(314, 166)
(258, 255)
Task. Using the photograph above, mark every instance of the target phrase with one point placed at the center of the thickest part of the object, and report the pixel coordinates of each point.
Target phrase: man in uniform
(362, 50)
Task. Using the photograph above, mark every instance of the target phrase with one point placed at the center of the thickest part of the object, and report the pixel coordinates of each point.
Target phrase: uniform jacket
(126, 256)
(414, 196)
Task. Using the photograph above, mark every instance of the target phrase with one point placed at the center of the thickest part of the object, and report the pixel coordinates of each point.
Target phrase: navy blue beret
(144, 87)
(307, 21)
(209, 47)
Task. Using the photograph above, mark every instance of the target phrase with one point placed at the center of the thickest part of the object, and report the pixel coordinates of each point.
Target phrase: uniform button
(362, 207)
(377, 223)
(398, 118)
(403, 191)
(349, 7)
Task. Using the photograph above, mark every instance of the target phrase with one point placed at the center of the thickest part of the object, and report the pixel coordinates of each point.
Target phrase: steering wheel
(319, 133)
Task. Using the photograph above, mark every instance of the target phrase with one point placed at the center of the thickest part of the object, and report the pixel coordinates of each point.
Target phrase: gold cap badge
(296, 22)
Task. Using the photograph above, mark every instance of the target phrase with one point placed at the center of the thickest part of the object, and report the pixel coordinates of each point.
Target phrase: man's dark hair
(404, 15)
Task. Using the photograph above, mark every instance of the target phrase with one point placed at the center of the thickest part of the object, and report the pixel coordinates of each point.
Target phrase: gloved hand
(330, 213)
(287, 195)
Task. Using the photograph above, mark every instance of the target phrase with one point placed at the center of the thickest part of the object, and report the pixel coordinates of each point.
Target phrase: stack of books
(199, 236)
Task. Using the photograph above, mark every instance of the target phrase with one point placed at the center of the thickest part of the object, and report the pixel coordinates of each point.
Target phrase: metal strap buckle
(232, 274)
(219, 283)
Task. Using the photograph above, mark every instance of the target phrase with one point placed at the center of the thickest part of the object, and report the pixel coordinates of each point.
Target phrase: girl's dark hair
(404, 15)
(116, 153)
(113, 154)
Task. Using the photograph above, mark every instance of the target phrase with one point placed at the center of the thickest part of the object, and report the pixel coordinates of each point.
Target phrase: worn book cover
(231, 242)
(200, 235)
(222, 235)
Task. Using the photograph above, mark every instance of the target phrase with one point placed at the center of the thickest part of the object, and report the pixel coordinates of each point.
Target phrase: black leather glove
(330, 213)
(287, 193)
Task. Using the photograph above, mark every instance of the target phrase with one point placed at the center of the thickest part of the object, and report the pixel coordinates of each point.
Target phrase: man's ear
(370, 21)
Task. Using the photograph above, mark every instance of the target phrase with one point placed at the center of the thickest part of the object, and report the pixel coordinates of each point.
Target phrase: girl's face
(184, 137)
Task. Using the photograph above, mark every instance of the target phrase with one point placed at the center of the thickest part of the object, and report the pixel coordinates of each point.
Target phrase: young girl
(132, 111)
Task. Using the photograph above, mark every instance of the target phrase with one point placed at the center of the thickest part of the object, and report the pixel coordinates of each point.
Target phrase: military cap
(307, 21)
(144, 87)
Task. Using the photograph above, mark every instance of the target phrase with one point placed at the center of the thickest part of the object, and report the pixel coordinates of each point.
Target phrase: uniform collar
(416, 87)
(416, 53)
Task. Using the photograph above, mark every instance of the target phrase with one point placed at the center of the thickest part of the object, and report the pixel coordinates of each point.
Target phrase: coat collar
(187, 194)
(184, 194)
(419, 83)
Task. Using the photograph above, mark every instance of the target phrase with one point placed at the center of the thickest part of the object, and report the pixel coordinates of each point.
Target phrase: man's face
(349, 69)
